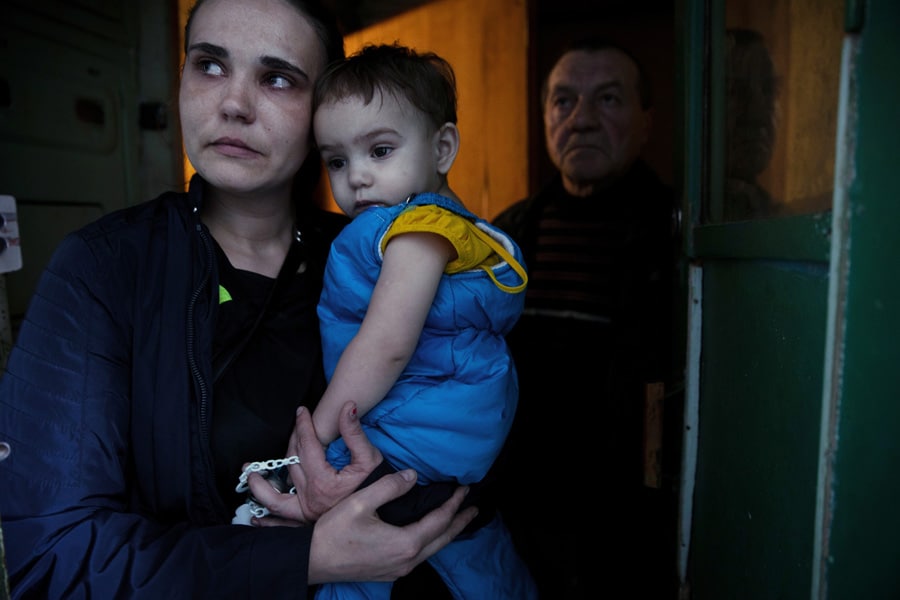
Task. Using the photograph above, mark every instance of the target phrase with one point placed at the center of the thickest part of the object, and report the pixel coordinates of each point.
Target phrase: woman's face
(246, 93)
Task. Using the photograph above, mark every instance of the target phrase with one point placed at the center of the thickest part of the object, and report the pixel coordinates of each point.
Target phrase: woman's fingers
(351, 542)
(283, 505)
(319, 486)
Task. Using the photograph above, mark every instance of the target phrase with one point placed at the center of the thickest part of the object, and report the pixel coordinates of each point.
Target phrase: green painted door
(792, 422)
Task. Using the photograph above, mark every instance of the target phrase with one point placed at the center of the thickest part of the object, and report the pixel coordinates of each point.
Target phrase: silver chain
(256, 509)
(266, 465)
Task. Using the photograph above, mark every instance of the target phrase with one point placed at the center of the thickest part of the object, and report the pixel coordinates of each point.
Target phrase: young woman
(169, 341)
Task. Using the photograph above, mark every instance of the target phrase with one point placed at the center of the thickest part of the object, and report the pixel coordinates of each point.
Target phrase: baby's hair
(425, 80)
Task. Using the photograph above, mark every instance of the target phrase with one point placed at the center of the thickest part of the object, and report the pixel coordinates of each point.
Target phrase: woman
(154, 358)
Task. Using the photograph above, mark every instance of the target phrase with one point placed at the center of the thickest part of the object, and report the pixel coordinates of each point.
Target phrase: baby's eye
(334, 164)
(381, 151)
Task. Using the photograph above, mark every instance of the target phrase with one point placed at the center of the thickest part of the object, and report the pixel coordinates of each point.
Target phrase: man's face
(593, 120)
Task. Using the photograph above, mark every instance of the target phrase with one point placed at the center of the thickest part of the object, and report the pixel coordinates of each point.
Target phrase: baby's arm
(375, 357)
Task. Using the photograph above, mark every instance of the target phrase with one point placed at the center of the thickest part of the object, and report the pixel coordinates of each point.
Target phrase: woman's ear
(446, 145)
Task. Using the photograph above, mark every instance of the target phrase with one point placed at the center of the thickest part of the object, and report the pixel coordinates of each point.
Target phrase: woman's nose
(238, 102)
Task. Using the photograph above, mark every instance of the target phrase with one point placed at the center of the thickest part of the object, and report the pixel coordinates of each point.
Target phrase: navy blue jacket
(109, 490)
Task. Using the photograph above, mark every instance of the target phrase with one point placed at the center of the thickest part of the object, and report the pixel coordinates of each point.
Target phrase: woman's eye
(209, 67)
(277, 80)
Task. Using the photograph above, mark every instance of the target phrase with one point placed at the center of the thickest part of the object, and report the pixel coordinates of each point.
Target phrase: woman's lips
(234, 148)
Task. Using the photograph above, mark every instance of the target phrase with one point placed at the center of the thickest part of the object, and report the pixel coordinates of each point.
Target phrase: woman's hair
(424, 79)
(323, 21)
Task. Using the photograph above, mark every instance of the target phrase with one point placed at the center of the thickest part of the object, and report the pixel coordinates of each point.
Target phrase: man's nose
(585, 113)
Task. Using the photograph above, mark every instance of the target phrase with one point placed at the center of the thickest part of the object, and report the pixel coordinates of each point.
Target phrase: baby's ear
(446, 145)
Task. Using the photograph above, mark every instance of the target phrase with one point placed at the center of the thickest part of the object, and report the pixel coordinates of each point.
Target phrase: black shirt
(279, 369)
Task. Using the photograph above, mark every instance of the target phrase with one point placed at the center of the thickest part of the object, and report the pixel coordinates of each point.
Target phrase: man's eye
(610, 99)
(562, 102)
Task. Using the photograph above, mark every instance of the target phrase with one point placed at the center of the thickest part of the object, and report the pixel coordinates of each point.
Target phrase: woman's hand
(319, 487)
(350, 542)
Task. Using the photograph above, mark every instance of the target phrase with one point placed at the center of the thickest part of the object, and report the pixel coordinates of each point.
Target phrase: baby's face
(377, 153)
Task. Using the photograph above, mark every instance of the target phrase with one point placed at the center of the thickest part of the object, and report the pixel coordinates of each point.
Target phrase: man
(599, 248)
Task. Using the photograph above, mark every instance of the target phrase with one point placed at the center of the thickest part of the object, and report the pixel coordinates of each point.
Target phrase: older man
(599, 248)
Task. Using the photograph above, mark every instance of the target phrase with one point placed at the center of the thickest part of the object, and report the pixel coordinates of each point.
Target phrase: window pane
(782, 70)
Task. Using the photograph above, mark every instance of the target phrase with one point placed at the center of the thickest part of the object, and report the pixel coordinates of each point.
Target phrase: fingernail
(408, 474)
(299, 410)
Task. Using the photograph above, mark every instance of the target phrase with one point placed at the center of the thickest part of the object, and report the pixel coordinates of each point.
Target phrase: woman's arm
(350, 542)
(88, 509)
(373, 360)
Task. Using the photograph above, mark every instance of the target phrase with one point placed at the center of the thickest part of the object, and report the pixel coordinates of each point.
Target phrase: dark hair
(597, 44)
(323, 21)
(424, 79)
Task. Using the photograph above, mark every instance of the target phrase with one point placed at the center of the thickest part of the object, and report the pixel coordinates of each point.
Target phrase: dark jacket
(108, 491)
(640, 196)
(600, 362)
(583, 361)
